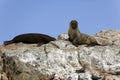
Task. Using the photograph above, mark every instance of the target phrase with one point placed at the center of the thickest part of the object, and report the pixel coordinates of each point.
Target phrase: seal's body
(31, 38)
(78, 38)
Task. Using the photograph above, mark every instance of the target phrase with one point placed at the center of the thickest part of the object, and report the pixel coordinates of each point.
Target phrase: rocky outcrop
(60, 60)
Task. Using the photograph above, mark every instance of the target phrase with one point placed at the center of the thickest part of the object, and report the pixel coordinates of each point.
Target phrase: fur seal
(78, 38)
(31, 38)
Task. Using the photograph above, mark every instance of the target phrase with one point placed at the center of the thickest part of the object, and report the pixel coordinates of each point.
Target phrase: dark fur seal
(78, 38)
(31, 38)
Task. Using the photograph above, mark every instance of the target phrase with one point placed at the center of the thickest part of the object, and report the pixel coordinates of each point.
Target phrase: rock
(63, 37)
(79, 78)
(52, 76)
(82, 70)
(69, 78)
(113, 35)
(60, 57)
(94, 77)
(3, 76)
(1, 63)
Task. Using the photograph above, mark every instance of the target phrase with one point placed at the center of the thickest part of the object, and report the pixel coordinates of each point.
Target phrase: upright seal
(78, 38)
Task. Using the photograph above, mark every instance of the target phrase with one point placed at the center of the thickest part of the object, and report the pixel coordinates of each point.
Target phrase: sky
(52, 17)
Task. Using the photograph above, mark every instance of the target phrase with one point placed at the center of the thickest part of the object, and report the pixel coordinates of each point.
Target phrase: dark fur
(78, 38)
(31, 38)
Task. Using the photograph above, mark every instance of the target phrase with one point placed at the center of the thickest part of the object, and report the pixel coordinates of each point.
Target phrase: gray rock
(63, 37)
(30, 62)
(79, 78)
(69, 78)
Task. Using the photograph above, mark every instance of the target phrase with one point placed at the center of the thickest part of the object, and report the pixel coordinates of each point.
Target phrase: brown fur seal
(31, 38)
(78, 38)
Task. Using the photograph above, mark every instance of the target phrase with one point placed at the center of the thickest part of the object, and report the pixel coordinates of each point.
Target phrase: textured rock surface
(61, 59)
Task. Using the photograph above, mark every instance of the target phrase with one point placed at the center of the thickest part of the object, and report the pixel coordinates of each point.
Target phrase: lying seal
(31, 38)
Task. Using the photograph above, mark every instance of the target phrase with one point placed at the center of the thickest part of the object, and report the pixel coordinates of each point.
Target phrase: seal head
(74, 24)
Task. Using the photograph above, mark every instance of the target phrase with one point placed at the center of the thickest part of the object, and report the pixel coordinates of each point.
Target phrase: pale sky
(52, 17)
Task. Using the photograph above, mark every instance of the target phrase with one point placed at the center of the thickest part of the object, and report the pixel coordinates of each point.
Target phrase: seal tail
(7, 42)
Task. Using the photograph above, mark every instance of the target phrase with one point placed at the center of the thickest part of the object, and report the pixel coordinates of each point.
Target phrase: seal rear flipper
(7, 42)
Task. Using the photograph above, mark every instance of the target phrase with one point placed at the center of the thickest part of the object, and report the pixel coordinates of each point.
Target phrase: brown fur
(78, 38)
(31, 38)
